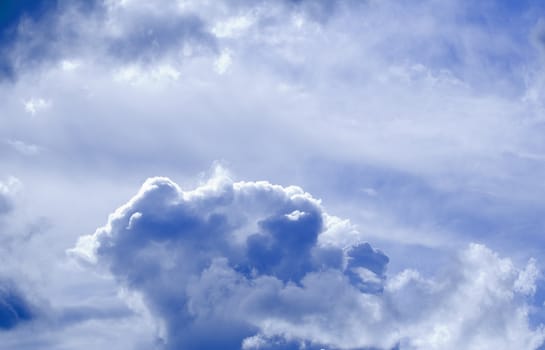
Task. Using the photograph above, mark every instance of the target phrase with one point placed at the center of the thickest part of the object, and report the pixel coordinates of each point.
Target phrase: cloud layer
(420, 121)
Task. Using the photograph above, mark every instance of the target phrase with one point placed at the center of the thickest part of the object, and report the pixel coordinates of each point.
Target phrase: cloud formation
(259, 266)
(258, 238)
(416, 120)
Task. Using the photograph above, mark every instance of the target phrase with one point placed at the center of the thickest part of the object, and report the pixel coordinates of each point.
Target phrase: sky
(274, 175)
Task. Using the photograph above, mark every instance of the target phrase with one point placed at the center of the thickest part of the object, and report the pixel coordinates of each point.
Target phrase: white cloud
(35, 105)
(190, 255)
(425, 130)
(137, 75)
(232, 27)
(69, 65)
(223, 62)
(480, 306)
(10, 186)
(250, 235)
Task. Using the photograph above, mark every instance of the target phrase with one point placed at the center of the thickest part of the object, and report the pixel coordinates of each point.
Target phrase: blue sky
(308, 174)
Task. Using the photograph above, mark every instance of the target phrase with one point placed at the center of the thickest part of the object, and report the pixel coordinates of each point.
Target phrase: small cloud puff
(35, 105)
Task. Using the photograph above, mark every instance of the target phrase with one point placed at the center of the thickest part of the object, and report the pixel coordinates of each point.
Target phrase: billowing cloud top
(253, 265)
(229, 256)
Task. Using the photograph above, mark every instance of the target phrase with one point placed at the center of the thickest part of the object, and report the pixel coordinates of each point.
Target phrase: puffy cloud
(262, 241)
(479, 304)
(257, 266)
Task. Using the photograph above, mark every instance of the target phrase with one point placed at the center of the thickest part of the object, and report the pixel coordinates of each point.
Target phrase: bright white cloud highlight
(223, 62)
(35, 105)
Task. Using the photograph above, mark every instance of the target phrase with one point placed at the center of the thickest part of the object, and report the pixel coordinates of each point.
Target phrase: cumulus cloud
(262, 240)
(257, 266)
(479, 305)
